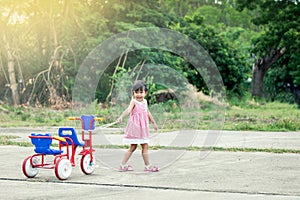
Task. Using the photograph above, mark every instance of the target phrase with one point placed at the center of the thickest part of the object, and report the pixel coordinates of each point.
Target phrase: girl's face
(139, 95)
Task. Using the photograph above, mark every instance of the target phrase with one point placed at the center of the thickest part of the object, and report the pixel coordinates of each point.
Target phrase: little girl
(137, 129)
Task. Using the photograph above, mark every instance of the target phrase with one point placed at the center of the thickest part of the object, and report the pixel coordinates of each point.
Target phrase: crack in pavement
(147, 187)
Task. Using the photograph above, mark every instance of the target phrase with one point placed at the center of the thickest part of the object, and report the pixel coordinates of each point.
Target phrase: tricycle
(63, 158)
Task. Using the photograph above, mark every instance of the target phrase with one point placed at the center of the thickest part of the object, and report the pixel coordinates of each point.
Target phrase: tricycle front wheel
(87, 165)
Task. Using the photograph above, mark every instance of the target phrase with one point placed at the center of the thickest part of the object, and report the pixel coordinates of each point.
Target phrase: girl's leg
(128, 153)
(145, 153)
(148, 166)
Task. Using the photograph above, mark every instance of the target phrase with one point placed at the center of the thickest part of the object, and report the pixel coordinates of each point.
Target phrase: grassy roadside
(249, 115)
(264, 117)
(8, 140)
(195, 148)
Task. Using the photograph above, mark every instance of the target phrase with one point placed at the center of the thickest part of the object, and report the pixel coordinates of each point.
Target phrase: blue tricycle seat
(70, 133)
(42, 145)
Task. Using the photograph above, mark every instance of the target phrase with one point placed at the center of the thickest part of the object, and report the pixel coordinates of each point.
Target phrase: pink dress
(137, 129)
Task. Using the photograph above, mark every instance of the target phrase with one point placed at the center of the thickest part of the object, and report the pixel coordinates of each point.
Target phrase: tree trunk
(11, 74)
(257, 82)
(260, 69)
(12, 80)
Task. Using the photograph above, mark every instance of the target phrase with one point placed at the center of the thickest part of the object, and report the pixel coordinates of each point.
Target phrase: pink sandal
(151, 168)
(125, 168)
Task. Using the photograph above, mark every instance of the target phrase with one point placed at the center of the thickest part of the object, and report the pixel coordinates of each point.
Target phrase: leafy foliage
(281, 23)
(50, 39)
(231, 64)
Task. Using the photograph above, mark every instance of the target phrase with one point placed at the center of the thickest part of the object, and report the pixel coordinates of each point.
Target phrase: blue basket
(42, 145)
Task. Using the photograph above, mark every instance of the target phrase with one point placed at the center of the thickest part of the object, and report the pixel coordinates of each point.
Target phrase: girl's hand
(119, 120)
(155, 127)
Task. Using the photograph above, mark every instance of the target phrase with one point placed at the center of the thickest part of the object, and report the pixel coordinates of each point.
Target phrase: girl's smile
(139, 95)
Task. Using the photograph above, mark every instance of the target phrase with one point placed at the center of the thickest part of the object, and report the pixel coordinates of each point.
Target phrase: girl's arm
(152, 120)
(126, 112)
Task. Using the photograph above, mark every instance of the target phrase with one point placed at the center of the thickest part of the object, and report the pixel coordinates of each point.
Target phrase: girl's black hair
(139, 85)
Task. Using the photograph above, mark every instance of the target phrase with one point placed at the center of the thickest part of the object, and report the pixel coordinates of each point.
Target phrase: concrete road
(184, 174)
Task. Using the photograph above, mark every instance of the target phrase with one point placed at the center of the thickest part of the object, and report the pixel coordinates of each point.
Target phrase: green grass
(266, 117)
(248, 115)
(196, 148)
(33, 117)
(7, 140)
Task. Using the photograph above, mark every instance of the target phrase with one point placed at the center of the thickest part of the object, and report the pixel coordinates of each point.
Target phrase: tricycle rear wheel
(27, 168)
(63, 169)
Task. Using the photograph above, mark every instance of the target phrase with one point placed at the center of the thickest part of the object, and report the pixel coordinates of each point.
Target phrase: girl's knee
(132, 148)
(144, 148)
(144, 145)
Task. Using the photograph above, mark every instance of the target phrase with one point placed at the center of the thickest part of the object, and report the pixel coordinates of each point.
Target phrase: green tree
(48, 40)
(232, 65)
(233, 28)
(277, 46)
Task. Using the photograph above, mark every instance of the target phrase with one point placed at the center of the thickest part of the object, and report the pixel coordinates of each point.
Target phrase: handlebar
(99, 118)
(71, 118)
(78, 118)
